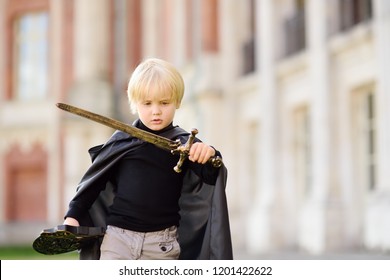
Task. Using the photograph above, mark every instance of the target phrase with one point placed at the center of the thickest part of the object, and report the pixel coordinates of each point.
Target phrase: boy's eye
(163, 102)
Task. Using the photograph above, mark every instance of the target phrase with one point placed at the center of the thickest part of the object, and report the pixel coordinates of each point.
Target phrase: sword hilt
(184, 151)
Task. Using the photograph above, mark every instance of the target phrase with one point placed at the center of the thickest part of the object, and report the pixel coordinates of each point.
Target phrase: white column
(150, 32)
(91, 88)
(92, 39)
(2, 51)
(54, 196)
(382, 37)
(313, 220)
(2, 95)
(377, 223)
(178, 45)
(262, 224)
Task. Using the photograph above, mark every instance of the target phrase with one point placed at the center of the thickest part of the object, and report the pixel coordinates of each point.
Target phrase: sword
(175, 147)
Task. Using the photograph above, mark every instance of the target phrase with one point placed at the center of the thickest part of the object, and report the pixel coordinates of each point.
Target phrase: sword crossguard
(184, 151)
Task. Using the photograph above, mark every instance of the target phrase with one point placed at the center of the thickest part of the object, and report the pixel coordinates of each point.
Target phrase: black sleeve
(95, 179)
(93, 182)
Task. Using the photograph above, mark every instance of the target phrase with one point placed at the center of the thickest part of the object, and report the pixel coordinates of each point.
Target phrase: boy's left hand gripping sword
(175, 147)
(65, 238)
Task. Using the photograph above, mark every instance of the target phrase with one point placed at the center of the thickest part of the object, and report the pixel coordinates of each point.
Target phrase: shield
(66, 238)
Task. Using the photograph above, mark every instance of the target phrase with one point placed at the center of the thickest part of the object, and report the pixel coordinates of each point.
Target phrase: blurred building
(294, 93)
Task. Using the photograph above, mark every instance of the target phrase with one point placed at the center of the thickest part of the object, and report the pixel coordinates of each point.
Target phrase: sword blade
(159, 141)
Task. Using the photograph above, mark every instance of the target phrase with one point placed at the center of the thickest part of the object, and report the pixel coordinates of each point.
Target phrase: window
(366, 140)
(303, 150)
(294, 27)
(353, 12)
(249, 47)
(30, 56)
(369, 135)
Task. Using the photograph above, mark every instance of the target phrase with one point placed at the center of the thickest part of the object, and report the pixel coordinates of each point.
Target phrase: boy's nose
(156, 110)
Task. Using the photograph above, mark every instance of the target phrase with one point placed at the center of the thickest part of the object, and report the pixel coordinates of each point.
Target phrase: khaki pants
(122, 244)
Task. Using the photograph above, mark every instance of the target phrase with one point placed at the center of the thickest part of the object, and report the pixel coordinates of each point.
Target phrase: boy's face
(156, 111)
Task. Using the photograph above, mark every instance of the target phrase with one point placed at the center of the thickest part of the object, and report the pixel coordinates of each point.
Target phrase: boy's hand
(201, 152)
(71, 222)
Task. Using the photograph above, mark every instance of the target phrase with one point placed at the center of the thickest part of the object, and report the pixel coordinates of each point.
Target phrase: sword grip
(184, 150)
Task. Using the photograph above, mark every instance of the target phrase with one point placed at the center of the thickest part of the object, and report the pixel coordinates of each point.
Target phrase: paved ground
(292, 255)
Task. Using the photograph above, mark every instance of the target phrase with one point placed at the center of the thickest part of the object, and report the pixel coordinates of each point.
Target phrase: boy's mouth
(156, 121)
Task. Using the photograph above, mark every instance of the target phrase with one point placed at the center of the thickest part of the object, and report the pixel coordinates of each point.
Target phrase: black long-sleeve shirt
(147, 189)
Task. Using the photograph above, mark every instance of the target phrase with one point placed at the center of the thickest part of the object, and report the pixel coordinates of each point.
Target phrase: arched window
(30, 56)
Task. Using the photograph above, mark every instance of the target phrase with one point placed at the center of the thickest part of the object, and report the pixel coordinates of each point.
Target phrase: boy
(143, 216)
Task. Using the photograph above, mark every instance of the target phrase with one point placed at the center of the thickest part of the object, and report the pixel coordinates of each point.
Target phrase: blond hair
(155, 74)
